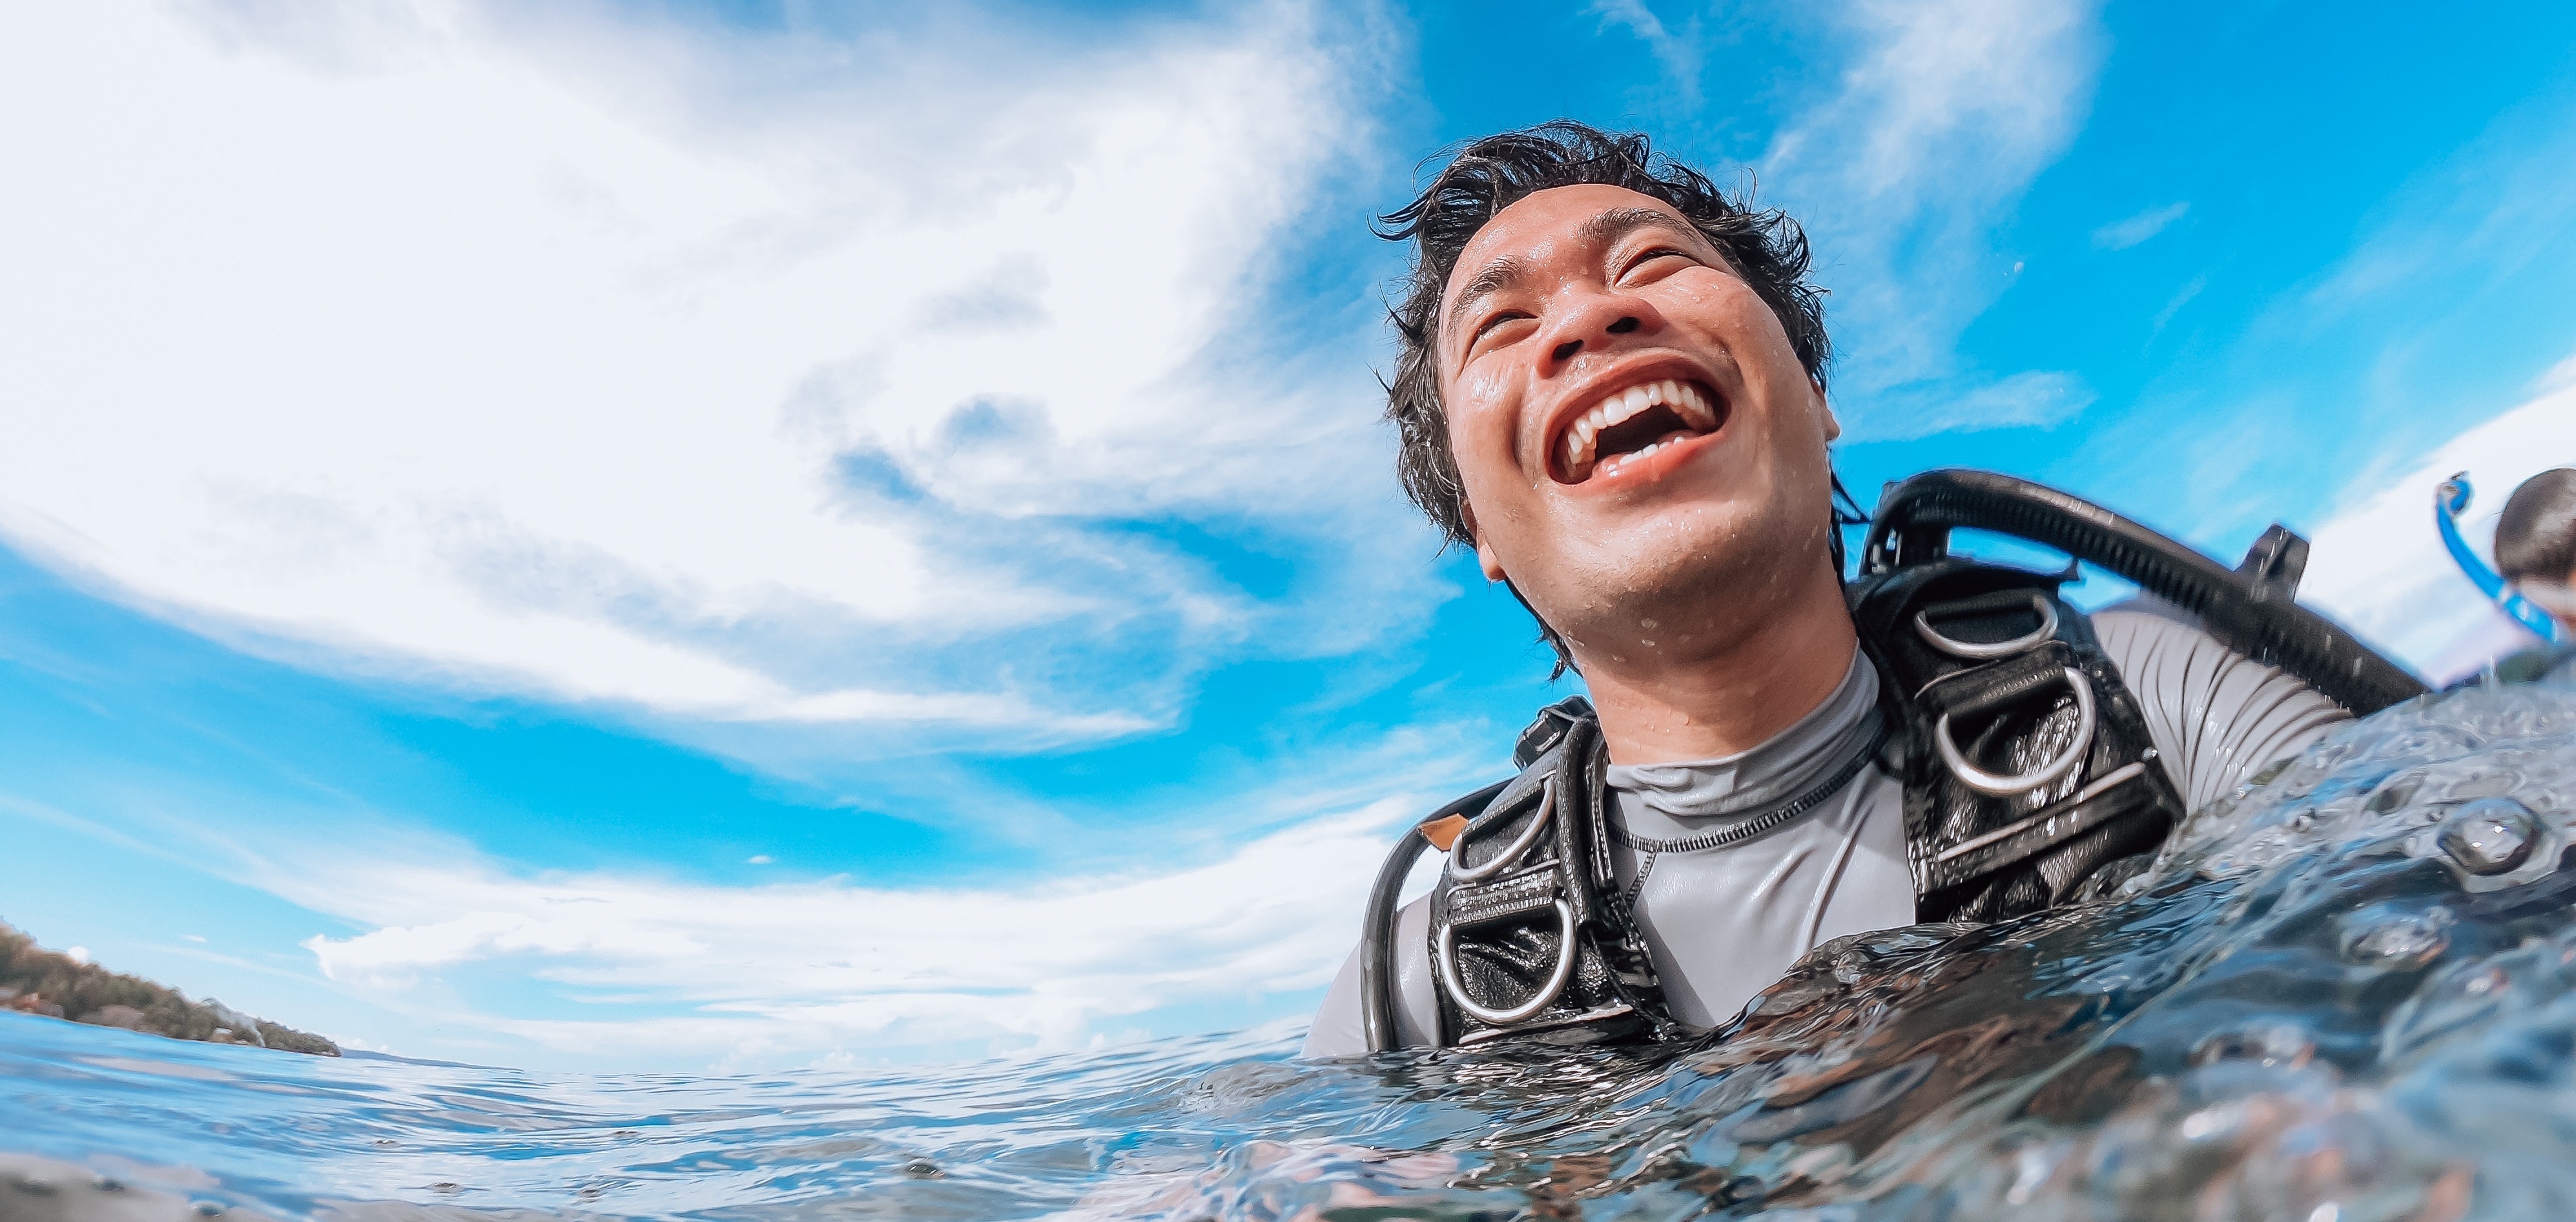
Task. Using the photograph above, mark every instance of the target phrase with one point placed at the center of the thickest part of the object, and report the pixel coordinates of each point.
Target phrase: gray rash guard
(1723, 923)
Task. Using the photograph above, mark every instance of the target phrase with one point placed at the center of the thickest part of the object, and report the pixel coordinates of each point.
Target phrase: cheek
(1779, 358)
(1479, 412)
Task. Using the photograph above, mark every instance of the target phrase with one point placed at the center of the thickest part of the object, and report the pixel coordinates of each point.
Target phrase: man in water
(1611, 385)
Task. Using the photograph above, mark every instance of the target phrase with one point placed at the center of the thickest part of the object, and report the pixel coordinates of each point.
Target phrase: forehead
(1545, 223)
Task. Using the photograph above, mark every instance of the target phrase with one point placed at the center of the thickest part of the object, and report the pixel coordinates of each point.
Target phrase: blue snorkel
(2449, 498)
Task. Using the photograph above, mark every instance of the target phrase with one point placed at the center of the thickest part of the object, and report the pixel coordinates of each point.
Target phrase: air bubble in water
(2490, 835)
(2394, 795)
(2266, 1044)
(2395, 940)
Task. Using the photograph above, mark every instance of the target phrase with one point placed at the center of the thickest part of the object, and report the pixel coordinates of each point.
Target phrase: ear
(1833, 423)
(1485, 557)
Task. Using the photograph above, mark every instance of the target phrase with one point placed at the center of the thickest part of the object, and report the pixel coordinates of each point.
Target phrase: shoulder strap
(1526, 936)
(1377, 926)
(1441, 830)
(2027, 764)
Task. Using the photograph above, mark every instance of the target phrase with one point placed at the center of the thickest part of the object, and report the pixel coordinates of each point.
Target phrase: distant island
(38, 981)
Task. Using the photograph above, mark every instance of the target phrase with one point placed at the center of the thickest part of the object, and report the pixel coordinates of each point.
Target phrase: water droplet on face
(2490, 835)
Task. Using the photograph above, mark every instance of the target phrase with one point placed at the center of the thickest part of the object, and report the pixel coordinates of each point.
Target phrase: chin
(1720, 553)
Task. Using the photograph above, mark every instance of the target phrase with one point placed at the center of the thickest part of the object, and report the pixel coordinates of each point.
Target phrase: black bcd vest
(2029, 775)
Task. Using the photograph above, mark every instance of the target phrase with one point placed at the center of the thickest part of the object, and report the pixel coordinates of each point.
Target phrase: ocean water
(2346, 994)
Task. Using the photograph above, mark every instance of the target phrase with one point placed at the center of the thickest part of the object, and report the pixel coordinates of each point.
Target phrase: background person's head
(2535, 541)
(1559, 265)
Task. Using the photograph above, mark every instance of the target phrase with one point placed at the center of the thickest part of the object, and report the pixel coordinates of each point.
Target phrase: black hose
(2246, 612)
(1377, 964)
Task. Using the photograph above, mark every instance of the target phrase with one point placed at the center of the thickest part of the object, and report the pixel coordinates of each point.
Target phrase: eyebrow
(1618, 223)
(1497, 276)
(1507, 272)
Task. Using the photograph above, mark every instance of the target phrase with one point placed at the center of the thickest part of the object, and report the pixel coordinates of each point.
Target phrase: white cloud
(2031, 399)
(537, 357)
(2379, 567)
(2558, 377)
(1677, 54)
(2130, 231)
(680, 971)
(1204, 911)
(1943, 119)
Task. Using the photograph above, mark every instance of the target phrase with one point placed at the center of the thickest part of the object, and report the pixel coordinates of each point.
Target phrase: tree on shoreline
(37, 981)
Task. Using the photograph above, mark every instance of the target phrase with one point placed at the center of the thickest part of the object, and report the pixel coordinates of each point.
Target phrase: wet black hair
(2536, 536)
(1483, 177)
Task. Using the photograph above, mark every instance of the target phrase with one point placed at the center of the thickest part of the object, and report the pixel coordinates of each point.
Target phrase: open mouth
(1628, 425)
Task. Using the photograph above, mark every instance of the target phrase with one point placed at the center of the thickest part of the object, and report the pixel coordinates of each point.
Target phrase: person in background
(2535, 551)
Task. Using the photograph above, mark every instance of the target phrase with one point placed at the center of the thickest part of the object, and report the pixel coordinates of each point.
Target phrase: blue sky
(670, 535)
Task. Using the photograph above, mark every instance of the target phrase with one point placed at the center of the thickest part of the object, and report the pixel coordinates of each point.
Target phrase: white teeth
(1694, 410)
(1684, 399)
(1621, 460)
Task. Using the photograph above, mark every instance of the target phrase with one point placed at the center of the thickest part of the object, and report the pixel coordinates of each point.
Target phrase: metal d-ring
(1511, 852)
(1995, 786)
(2001, 649)
(1547, 993)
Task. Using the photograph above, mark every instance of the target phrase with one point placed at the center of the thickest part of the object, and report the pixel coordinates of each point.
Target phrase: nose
(1593, 322)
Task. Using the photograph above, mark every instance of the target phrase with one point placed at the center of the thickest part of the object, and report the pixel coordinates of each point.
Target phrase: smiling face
(1642, 452)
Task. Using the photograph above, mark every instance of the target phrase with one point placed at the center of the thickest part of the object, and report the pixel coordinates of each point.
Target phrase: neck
(1732, 699)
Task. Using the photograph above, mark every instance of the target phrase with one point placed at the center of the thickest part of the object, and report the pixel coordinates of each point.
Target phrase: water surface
(2347, 993)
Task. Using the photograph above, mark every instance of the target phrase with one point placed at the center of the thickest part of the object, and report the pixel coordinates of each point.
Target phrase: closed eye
(1658, 260)
(1490, 325)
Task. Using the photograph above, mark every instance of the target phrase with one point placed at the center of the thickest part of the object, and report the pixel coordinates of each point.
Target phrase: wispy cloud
(684, 973)
(2130, 231)
(2500, 205)
(1206, 912)
(2173, 305)
(2336, 382)
(2557, 377)
(728, 377)
(1677, 52)
(2032, 399)
(1944, 117)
